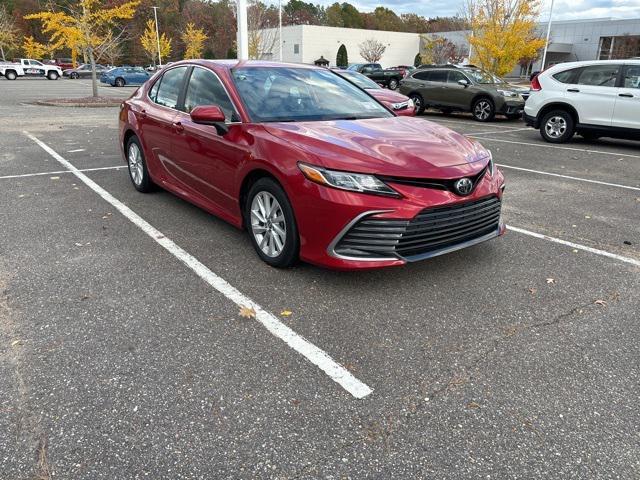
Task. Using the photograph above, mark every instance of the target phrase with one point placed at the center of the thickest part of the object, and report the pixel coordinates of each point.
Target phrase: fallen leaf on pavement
(55, 178)
(16, 342)
(286, 313)
(473, 405)
(247, 312)
(602, 303)
(533, 291)
(550, 280)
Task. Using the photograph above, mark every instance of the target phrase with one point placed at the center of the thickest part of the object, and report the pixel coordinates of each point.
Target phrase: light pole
(243, 35)
(546, 44)
(155, 14)
(280, 29)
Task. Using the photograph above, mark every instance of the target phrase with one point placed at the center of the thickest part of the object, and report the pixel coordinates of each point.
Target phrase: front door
(626, 112)
(206, 159)
(459, 96)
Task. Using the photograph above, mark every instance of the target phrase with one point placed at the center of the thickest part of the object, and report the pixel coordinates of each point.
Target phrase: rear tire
(483, 110)
(74, 75)
(11, 75)
(270, 222)
(138, 172)
(120, 82)
(557, 126)
(393, 84)
(418, 103)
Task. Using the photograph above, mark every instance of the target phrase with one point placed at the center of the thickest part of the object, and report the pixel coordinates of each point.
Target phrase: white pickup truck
(30, 68)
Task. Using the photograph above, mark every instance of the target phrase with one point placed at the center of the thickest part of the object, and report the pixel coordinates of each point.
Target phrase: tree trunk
(2, 52)
(94, 80)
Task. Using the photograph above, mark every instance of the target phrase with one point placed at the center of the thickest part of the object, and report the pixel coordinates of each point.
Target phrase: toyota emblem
(463, 186)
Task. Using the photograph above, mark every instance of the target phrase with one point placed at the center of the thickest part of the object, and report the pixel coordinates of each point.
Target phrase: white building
(307, 43)
(569, 41)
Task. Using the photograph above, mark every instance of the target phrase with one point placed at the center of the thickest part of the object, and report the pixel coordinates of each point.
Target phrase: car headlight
(507, 93)
(355, 182)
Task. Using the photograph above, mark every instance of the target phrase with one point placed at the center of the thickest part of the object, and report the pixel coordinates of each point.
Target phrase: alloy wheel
(482, 110)
(268, 225)
(136, 170)
(555, 127)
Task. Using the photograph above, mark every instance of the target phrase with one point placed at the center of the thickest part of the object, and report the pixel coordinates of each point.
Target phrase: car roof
(232, 63)
(559, 67)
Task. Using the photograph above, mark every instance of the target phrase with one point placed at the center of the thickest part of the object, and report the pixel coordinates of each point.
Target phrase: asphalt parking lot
(122, 358)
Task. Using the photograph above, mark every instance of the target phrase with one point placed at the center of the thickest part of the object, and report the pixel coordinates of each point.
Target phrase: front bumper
(511, 107)
(326, 216)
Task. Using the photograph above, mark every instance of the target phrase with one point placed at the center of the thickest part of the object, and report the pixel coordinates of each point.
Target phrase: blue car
(121, 76)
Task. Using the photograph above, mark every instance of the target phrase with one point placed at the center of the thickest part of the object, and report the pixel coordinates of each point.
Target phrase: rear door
(156, 120)
(207, 161)
(594, 93)
(436, 87)
(626, 112)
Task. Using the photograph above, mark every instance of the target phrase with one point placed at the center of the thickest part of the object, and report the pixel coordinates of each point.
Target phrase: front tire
(52, 76)
(271, 224)
(418, 103)
(483, 110)
(138, 172)
(557, 126)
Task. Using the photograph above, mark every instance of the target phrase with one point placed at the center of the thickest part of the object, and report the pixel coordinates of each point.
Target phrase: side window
(153, 92)
(421, 75)
(631, 76)
(437, 76)
(599, 75)
(170, 86)
(568, 76)
(205, 89)
(455, 76)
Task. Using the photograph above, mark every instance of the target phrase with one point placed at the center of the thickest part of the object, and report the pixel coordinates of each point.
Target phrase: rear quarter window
(567, 76)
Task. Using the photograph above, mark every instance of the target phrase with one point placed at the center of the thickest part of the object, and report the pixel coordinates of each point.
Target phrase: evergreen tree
(342, 60)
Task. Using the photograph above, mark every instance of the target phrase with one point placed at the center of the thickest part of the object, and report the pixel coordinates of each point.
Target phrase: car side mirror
(463, 82)
(210, 115)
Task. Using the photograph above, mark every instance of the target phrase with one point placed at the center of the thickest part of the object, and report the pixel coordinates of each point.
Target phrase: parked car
(63, 63)
(30, 68)
(400, 104)
(467, 89)
(310, 164)
(404, 69)
(388, 78)
(83, 71)
(595, 99)
(121, 76)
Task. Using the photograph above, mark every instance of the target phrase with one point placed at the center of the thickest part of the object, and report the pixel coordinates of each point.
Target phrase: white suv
(594, 99)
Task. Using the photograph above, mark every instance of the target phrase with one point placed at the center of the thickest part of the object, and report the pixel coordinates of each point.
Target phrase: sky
(563, 9)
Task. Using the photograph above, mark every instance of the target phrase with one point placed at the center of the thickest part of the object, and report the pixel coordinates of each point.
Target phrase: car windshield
(360, 80)
(480, 76)
(279, 94)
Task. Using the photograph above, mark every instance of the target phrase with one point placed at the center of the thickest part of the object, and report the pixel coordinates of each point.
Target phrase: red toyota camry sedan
(312, 166)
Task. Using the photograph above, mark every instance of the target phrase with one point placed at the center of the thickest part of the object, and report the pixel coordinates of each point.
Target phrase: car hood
(384, 95)
(396, 146)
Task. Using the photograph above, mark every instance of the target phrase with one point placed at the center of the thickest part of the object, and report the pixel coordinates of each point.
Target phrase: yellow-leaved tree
(33, 49)
(83, 27)
(193, 39)
(149, 42)
(8, 32)
(503, 32)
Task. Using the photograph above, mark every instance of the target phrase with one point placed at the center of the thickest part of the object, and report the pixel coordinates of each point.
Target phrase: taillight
(535, 84)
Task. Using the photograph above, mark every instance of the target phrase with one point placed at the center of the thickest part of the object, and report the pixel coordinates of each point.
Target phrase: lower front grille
(432, 231)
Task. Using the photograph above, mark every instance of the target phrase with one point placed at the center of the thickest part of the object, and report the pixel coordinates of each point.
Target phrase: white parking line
(569, 177)
(577, 246)
(493, 132)
(471, 123)
(23, 175)
(315, 355)
(544, 145)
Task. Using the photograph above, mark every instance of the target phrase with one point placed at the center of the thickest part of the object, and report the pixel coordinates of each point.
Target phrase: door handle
(574, 90)
(178, 126)
(628, 95)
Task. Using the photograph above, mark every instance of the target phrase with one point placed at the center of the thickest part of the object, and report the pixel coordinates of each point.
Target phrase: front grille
(439, 184)
(433, 230)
